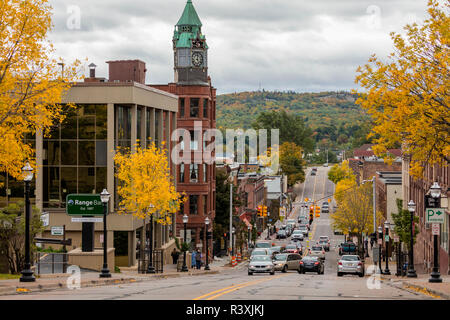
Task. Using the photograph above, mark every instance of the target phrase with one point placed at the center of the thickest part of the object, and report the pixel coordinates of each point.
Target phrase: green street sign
(434, 215)
(84, 205)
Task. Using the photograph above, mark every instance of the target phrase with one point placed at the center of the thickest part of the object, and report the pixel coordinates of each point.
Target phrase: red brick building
(197, 103)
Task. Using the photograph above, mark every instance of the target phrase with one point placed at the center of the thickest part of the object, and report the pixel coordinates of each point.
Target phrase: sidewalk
(419, 284)
(92, 279)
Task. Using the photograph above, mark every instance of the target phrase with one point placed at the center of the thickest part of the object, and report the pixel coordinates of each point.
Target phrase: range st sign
(434, 215)
(84, 205)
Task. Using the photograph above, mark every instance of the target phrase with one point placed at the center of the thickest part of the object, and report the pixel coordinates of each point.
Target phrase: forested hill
(332, 116)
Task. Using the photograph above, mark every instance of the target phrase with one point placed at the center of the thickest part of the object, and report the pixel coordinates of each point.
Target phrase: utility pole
(374, 205)
(231, 216)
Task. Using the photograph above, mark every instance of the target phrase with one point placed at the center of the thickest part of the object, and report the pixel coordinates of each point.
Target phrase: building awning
(247, 223)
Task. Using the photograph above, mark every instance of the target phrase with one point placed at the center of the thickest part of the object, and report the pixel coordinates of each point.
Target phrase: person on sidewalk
(193, 261)
(198, 259)
(175, 255)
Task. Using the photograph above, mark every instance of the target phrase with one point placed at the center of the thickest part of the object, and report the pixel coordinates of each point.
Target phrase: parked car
(311, 264)
(317, 251)
(350, 264)
(347, 248)
(286, 261)
(297, 235)
(337, 232)
(281, 234)
(261, 264)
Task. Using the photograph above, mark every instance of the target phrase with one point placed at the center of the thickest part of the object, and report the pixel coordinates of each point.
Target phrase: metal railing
(50, 263)
(158, 262)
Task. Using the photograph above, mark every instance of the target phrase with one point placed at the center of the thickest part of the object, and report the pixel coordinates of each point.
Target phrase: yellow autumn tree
(354, 214)
(31, 81)
(145, 186)
(408, 93)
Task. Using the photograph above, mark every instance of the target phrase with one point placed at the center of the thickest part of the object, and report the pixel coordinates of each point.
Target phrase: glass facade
(74, 155)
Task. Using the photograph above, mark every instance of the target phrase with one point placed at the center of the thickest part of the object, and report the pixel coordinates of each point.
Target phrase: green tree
(12, 234)
(292, 128)
(292, 163)
(402, 221)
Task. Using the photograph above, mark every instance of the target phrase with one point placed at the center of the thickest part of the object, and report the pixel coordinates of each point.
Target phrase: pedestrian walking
(371, 243)
(366, 245)
(175, 256)
(198, 259)
(193, 261)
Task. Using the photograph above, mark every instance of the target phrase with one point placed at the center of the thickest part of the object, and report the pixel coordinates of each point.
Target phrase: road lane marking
(233, 286)
(237, 287)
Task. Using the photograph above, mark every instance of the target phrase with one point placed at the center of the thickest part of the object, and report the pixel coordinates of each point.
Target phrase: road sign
(57, 231)
(435, 229)
(84, 205)
(386, 238)
(87, 219)
(434, 215)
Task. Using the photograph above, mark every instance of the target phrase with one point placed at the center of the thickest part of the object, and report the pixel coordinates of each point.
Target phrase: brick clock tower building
(197, 103)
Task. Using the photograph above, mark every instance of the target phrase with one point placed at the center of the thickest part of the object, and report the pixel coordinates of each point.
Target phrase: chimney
(127, 71)
(92, 67)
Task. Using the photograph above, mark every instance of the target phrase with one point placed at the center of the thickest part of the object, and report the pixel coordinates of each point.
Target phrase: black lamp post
(411, 272)
(104, 196)
(435, 191)
(248, 242)
(380, 243)
(150, 268)
(207, 258)
(386, 252)
(27, 273)
(185, 221)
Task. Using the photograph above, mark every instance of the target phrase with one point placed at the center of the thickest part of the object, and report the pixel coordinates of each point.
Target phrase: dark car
(293, 248)
(311, 264)
(313, 173)
(281, 234)
(348, 248)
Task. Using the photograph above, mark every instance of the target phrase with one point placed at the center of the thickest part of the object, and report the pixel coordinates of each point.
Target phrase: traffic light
(226, 235)
(259, 210)
(264, 211)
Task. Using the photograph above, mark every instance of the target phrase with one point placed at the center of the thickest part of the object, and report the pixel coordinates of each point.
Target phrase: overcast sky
(301, 45)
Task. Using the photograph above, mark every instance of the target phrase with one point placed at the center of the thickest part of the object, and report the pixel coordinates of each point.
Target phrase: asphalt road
(236, 284)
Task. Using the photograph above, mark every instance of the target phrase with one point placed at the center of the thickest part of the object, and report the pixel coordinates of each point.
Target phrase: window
(181, 107)
(193, 172)
(194, 106)
(194, 142)
(205, 172)
(205, 108)
(205, 204)
(181, 172)
(193, 204)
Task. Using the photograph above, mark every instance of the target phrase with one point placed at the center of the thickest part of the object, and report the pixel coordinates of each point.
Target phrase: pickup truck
(348, 248)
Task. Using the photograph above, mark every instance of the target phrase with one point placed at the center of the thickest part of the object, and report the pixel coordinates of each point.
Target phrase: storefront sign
(84, 205)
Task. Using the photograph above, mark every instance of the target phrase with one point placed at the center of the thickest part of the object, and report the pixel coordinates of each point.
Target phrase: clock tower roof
(189, 16)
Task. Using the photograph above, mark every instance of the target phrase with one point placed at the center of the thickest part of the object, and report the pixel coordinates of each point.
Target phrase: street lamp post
(380, 244)
(435, 191)
(150, 268)
(248, 242)
(185, 221)
(104, 196)
(233, 230)
(207, 258)
(386, 252)
(27, 273)
(411, 271)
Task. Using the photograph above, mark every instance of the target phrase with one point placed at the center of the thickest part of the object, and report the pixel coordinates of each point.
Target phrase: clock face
(197, 59)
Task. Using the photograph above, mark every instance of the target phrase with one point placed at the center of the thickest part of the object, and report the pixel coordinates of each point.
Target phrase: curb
(15, 290)
(421, 289)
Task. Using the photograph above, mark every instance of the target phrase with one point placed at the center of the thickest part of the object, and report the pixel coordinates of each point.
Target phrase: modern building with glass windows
(78, 155)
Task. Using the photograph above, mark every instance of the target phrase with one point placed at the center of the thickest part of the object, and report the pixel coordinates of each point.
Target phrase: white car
(261, 264)
(317, 251)
(260, 252)
(297, 235)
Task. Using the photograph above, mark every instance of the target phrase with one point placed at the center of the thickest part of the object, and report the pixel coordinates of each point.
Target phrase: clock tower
(190, 49)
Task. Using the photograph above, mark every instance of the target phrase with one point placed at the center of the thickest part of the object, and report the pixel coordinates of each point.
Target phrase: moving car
(317, 251)
(325, 207)
(286, 261)
(260, 252)
(313, 173)
(350, 264)
(311, 264)
(347, 248)
(303, 228)
(281, 234)
(324, 241)
(263, 244)
(297, 235)
(261, 264)
(292, 248)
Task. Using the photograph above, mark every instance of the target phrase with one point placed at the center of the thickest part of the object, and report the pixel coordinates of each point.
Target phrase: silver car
(260, 252)
(261, 264)
(317, 251)
(297, 235)
(287, 261)
(350, 264)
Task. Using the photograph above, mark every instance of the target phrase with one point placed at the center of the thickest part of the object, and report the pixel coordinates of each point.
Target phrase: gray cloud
(284, 45)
